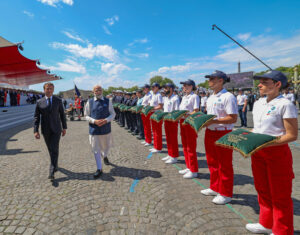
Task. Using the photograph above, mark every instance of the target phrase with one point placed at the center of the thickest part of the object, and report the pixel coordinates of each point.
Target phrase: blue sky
(124, 43)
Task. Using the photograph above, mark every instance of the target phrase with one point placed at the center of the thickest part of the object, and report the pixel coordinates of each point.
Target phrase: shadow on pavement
(133, 173)
(119, 171)
(5, 136)
(251, 200)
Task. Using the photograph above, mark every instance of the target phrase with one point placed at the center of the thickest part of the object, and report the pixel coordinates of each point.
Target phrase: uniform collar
(272, 102)
(170, 96)
(221, 92)
(192, 93)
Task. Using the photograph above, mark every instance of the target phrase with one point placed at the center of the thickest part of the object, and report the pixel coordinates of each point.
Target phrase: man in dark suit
(50, 111)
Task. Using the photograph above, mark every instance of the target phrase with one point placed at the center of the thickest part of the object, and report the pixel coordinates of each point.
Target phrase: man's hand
(104, 121)
(63, 132)
(37, 135)
(100, 122)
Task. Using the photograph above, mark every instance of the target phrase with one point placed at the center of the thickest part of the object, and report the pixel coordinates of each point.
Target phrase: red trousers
(171, 130)
(189, 144)
(219, 161)
(272, 169)
(157, 134)
(147, 128)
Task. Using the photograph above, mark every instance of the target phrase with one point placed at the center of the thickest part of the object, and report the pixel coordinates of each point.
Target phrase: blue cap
(219, 74)
(189, 82)
(274, 75)
(146, 86)
(155, 85)
(171, 85)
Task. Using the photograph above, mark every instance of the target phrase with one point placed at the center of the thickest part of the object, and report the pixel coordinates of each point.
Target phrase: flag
(77, 91)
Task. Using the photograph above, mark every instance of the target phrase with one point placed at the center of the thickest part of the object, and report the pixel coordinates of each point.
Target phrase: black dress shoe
(55, 169)
(139, 138)
(106, 162)
(98, 174)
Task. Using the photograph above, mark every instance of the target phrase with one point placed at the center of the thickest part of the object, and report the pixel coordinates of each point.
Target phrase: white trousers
(100, 146)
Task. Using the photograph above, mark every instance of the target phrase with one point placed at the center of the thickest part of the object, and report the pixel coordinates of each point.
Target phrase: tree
(166, 80)
(160, 80)
(156, 79)
(204, 84)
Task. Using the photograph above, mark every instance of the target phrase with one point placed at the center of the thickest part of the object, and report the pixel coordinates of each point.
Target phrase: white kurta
(100, 143)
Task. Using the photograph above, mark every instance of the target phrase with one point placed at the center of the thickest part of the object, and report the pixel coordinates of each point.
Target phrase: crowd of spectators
(16, 97)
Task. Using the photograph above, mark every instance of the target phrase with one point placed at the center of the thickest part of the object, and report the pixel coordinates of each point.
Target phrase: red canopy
(15, 69)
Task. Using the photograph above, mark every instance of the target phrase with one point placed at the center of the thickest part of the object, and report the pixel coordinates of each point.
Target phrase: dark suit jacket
(52, 120)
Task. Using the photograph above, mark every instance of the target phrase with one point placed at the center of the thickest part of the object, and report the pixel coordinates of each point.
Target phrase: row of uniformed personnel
(271, 166)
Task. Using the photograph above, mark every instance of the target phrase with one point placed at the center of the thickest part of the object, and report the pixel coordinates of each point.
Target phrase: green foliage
(160, 80)
(110, 89)
(204, 84)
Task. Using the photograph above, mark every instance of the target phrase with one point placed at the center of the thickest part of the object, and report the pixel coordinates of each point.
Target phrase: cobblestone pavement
(137, 194)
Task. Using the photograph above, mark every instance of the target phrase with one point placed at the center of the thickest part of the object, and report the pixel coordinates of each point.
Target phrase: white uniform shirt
(268, 117)
(289, 96)
(203, 101)
(147, 99)
(171, 103)
(241, 99)
(190, 102)
(156, 99)
(221, 104)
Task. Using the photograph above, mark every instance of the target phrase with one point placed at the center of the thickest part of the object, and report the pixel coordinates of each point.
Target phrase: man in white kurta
(100, 132)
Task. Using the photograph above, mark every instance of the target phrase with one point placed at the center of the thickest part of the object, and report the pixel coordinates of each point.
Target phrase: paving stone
(29, 231)
(20, 230)
(163, 202)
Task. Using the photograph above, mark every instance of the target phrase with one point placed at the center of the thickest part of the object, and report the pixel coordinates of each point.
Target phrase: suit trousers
(189, 144)
(171, 130)
(140, 126)
(52, 142)
(272, 169)
(122, 119)
(219, 161)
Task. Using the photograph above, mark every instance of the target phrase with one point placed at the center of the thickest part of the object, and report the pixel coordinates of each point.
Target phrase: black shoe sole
(98, 176)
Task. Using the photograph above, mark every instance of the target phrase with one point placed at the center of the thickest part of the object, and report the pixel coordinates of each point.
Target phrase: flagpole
(215, 26)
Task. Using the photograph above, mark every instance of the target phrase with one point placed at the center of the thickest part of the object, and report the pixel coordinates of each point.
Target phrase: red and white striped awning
(15, 69)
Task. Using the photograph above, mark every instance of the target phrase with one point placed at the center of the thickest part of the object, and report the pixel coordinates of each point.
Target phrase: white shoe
(151, 149)
(156, 151)
(166, 158)
(182, 172)
(143, 142)
(258, 228)
(147, 144)
(209, 192)
(190, 175)
(221, 200)
(171, 160)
